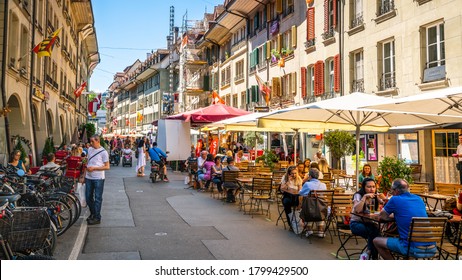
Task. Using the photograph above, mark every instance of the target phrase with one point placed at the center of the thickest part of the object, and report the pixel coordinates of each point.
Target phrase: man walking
(97, 163)
(458, 155)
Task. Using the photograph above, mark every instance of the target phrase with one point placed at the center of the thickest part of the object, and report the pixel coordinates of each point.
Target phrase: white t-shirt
(96, 161)
(459, 151)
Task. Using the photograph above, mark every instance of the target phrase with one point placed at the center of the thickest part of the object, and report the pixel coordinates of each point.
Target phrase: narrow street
(142, 220)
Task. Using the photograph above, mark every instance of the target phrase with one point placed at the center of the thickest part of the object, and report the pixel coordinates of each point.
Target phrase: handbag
(314, 209)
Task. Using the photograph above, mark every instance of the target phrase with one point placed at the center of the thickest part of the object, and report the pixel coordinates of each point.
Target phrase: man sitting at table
(404, 206)
(313, 184)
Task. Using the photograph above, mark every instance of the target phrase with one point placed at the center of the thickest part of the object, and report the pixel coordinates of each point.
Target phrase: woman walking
(141, 158)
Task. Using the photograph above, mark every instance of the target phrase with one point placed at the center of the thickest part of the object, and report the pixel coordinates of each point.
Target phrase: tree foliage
(391, 168)
(268, 158)
(340, 143)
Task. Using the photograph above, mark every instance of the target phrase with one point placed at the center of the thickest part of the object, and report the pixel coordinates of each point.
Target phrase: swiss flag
(80, 89)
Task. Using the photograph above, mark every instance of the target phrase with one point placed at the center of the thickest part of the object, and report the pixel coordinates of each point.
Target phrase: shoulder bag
(314, 209)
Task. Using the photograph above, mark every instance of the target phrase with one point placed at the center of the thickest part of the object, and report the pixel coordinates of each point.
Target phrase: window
(225, 76)
(310, 28)
(445, 143)
(385, 6)
(243, 101)
(289, 85)
(13, 42)
(287, 40)
(387, 56)
(356, 13)
(234, 104)
(310, 93)
(330, 76)
(435, 46)
(24, 51)
(261, 56)
(358, 71)
(287, 7)
(408, 147)
(330, 18)
(239, 74)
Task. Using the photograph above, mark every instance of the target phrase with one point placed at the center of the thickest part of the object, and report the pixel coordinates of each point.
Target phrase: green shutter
(248, 97)
(206, 83)
(257, 57)
(254, 93)
(264, 51)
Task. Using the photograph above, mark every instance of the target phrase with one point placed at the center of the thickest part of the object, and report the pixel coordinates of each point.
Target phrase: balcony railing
(328, 95)
(358, 85)
(388, 81)
(225, 82)
(239, 77)
(310, 43)
(328, 34)
(357, 21)
(386, 7)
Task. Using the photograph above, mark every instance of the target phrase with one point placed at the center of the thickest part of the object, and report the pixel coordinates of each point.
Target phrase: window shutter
(255, 21)
(257, 93)
(326, 15)
(337, 73)
(268, 49)
(264, 15)
(279, 6)
(268, 12)
(264, 50)
(310, 24)
(254, 93)
(334, 8)
(293, 83)
(257, 57)
(279, 43)
(294, 36)
(277, 86)
(303, 81)
(319, 78)
(248, 96)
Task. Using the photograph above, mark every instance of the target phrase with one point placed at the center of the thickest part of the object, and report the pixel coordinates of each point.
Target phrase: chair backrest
(230, 176)
(416, 171)
(418, 188)
(265, 169)
(243, 165)
(326, 176)
(342, 204)
(327, 195)
(283, 164)
(447, 189)
(429, 229)
(261, 185)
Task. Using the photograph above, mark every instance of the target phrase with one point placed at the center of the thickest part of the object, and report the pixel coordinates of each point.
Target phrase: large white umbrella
(344, 113)
(443, 102)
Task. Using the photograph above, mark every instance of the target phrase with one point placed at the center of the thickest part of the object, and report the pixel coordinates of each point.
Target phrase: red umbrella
(210, 114)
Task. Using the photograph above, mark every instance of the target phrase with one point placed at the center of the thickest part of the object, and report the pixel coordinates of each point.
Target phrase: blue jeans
(401, 246)
(94, 195)
(368, 231)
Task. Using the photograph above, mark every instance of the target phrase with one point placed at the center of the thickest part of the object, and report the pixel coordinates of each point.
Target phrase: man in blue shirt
(156, 154)
(404, 206)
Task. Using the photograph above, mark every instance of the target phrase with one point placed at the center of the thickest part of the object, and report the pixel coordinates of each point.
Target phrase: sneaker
(308, 233)
(321, 234)
(166, 179)
(94, 222)
(90, 218)
(364, 256)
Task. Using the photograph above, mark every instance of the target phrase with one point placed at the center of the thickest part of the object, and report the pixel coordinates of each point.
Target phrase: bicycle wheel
(76, 206)
(50, 243)
(33, 257)
(60, 214)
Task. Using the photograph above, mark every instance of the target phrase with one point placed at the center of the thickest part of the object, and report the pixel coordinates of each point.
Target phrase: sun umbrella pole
(357, 156)
(295, 146)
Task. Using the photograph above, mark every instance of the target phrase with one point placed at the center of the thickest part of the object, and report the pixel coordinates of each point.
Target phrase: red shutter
(337, 73)
(303, 78)
(310, 24)
(326, 15)
(319, 78)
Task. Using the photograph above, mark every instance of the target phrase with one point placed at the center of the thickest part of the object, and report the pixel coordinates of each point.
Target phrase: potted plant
(269, 158)
(340, 143)
(48, 148)
(391, 168)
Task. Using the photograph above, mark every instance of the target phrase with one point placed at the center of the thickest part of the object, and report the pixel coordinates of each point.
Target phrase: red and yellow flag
(80, 89)
(45, 47)
(216, 99)
(266, 90)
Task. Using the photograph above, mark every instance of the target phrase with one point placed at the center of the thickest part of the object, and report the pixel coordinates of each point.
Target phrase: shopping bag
(81, 194)
(296, 223)
(314, 209)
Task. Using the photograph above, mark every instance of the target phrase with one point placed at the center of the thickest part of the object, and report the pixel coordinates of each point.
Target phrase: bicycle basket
(31, 226)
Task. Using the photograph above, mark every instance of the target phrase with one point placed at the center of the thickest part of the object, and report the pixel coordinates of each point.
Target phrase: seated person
(157, 155)
(404, 206)
(15, 160)
(291, 184)
(361, 199)
(51, 165)
(366, 173)
(313, 184)
(127, 150)
(191, 166)
(207, 175)
(301, 169)
(216, 174)
(241, 157)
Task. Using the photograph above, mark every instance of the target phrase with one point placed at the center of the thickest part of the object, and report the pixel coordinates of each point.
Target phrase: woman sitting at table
(217, 169)
(290, 187)
(366, 173)
(207, 175)
(361, 201)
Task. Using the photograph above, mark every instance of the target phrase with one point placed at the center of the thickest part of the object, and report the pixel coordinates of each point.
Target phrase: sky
(127, 30)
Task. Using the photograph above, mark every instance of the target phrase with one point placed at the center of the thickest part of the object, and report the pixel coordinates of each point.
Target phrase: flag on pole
(216, 99)
(114, 122)
(80, 89)
(266, 90)
(45, 47)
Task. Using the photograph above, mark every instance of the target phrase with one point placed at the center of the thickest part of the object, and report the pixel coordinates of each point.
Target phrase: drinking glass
(371, 206)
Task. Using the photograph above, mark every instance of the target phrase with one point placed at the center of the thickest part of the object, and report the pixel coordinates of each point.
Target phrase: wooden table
(438, 197)
(374, 218)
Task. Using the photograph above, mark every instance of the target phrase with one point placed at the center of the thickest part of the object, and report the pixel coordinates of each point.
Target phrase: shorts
(399, 246)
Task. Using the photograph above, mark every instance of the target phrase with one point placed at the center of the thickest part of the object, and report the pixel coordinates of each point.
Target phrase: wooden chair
(418, 188)
(283, 164)
(453, 250)
(416, 171)
(447, 189)
(261, 190)
(342, 206)
(230, 185)
(425, 230)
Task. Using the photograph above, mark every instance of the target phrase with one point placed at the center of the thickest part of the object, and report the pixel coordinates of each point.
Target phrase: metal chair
(261, 190)
(453, 250)
(328, 197)
(230, 185)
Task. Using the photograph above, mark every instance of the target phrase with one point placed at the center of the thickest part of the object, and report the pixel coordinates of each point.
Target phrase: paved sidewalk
(142, 220)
